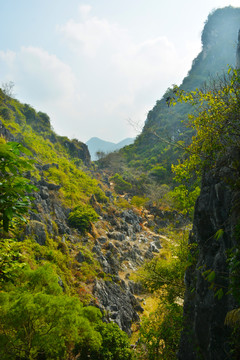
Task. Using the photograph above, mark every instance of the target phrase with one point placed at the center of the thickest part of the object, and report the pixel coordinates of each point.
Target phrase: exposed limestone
(120, 248)
(205, 336)
(117, 300)
(37, 230)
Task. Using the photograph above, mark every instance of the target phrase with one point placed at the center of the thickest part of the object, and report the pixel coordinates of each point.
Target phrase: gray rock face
(37, 230)
(119, 302)
(120, 247)
(205, 336)
(4, 132)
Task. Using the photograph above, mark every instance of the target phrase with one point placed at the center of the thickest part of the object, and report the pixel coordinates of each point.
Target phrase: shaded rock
(80, 257)
(5, 133)
(44, 192)
(135, 288)
(116, 235)
(121, 305)
(148, 254)
(62, 227)
(50, 186)
(102, 239)
(153, 247)
(37, 230)
(204, 335)
(48, 166)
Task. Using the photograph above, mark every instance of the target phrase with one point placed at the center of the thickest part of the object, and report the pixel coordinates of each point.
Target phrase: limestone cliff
(205, 336)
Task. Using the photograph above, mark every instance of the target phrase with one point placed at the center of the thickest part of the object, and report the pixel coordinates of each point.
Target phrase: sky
(96, 67)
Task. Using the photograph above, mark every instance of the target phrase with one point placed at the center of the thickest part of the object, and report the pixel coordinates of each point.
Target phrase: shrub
(121, 185)
(139, 201)
(82, 216)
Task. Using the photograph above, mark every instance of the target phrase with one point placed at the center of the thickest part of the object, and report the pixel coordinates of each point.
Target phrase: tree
(120, 185)
(115, 344)
(215, 125)
(164, 275)
(7, 88)
(39, 321)
(14, 186)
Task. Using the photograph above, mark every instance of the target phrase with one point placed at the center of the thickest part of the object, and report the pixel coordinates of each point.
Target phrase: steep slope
(22, 120)
(164, 126)
(208, 300)
(91, 258)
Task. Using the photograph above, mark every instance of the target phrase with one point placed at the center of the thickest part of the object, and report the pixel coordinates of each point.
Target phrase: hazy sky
(92, 65)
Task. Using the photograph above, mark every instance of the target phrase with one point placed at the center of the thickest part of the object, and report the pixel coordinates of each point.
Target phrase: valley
(134, 256)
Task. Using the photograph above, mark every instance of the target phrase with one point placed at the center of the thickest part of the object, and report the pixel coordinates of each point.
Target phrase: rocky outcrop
(123, 244)
(76, 149)
(5, 133)
(205, 336)
(118, 303)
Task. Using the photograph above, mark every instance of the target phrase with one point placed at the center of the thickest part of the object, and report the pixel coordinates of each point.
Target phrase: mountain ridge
(164, 125)
(95, 144)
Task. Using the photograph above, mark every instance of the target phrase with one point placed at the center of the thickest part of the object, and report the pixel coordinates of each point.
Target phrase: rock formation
(205, 336)
(238, 52)
(216, 212)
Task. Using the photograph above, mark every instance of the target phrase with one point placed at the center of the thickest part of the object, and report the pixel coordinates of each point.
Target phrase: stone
(44, 192)
(102, 239)
(80, 257)
(204, 333)
(121, 306)
(116, 235)
(37, 230)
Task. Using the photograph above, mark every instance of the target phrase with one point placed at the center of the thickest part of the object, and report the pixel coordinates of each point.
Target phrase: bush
(39, 321)
(139, 201)
(82, 216)
(115, 344)
(121, 185)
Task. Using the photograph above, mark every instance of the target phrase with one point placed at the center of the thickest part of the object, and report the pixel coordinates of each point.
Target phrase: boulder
(37, 230)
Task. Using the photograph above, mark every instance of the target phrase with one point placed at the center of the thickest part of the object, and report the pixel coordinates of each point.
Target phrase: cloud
(84, 10)
(91, 34)
(107, 76)
(121, 77)
(44, 81)
(42, 76)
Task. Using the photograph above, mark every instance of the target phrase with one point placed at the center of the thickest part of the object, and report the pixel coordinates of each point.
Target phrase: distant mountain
(95, 144)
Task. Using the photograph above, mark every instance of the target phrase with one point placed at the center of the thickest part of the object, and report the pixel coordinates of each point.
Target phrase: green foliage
(167, 271)
(5, 113)
(120, 185)
(184, 199)
(14, 187)
(139, 201)
(115, 344)
(234, 269)
(215, 124)
(82, 216)
(76, 185)
(160, 332)
(159, 172)
(122, 203)
(37, 319)
(10, 261)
